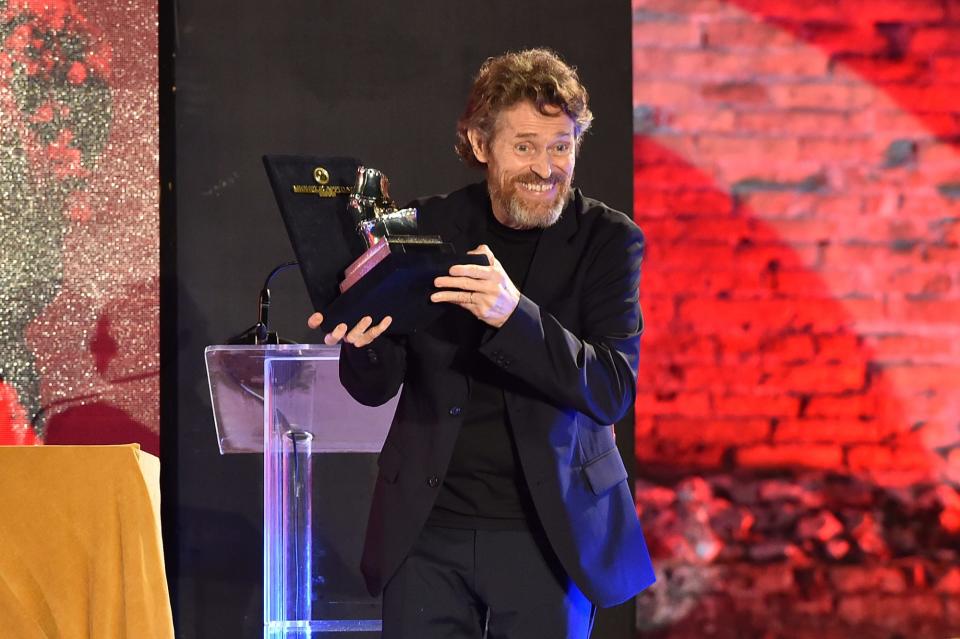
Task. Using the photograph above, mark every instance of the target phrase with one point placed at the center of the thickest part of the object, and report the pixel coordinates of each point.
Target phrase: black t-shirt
(484, 487)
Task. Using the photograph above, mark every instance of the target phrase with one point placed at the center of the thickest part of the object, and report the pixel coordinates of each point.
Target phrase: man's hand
(360, 335)
(485, 291)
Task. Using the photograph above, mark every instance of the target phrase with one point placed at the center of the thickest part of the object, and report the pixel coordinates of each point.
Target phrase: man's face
(530, 161)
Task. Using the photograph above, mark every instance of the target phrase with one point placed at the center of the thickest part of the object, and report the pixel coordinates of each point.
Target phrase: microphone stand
(260, 332)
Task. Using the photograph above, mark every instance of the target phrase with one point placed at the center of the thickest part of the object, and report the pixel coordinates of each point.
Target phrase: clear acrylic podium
(287, 402)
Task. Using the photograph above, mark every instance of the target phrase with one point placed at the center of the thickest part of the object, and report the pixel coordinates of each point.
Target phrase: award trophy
(386, 230)
(358, 252)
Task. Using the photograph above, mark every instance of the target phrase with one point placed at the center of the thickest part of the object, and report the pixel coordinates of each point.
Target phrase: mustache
(555, 178)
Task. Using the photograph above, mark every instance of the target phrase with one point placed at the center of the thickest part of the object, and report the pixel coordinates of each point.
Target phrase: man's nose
(541, 166)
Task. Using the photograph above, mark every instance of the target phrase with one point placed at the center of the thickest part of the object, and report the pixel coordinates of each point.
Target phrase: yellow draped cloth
(80, 549)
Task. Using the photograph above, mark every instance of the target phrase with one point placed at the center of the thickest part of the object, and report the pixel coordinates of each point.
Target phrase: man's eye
(562, 147)
(523, 148)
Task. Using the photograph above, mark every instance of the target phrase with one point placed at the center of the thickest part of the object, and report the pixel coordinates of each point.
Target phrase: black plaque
(359, 254)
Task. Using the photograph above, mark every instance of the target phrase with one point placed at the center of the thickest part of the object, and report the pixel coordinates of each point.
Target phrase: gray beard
(525, 218)
(522, 217)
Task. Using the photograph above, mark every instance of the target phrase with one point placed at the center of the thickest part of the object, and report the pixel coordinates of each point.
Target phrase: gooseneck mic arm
(260, 332)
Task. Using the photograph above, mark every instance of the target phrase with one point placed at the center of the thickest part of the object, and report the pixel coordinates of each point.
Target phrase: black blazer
(573, 347)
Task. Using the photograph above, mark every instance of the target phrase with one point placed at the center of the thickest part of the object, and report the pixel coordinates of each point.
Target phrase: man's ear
(478, 144)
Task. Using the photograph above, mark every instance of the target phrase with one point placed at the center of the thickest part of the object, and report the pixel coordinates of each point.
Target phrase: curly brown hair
(538, 75)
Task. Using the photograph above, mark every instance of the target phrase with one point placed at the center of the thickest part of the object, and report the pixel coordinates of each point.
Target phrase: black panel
(383, 81)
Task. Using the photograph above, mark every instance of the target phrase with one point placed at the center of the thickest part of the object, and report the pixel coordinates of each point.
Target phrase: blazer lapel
(553, 264)
(467, 227)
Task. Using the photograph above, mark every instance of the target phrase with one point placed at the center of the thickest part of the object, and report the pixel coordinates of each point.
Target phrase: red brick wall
(797, 173)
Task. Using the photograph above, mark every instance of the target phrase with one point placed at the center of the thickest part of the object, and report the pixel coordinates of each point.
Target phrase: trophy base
(389, 246)
(397, 281)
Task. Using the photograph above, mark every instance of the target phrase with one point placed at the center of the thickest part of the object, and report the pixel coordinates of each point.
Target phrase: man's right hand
(360, 335)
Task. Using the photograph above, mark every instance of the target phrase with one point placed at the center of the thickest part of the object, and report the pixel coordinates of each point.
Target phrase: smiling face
(530, 160)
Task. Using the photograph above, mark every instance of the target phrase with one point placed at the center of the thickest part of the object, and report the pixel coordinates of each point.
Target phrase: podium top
(301, 384)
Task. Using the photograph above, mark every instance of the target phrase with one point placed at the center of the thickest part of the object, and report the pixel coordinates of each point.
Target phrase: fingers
(483, 249)
(463, 298)
(476, 271)
(334, 338)
(362, 334)
(355, 333)
(474, 286)
(379, 329)
(314, 322)
(465, 283)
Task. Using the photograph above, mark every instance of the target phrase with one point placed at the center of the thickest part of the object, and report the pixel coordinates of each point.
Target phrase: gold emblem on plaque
(322, 187)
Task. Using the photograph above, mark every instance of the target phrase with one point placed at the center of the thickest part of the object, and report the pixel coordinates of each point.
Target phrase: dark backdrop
(381, 81)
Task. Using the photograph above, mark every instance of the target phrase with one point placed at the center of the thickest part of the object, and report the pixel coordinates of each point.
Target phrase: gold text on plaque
(321, 190)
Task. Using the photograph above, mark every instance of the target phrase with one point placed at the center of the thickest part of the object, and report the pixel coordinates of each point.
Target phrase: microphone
(260, 332)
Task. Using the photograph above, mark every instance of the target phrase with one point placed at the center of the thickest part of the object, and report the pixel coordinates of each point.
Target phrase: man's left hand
(485, 291)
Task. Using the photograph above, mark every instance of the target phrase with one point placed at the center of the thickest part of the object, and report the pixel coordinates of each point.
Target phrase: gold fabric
(80, 549)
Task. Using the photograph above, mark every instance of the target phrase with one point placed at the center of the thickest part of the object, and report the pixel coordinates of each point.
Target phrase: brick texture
(797, 173)
(799, 555)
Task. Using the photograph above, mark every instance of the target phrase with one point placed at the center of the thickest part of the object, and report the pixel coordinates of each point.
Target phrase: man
(501, 508)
